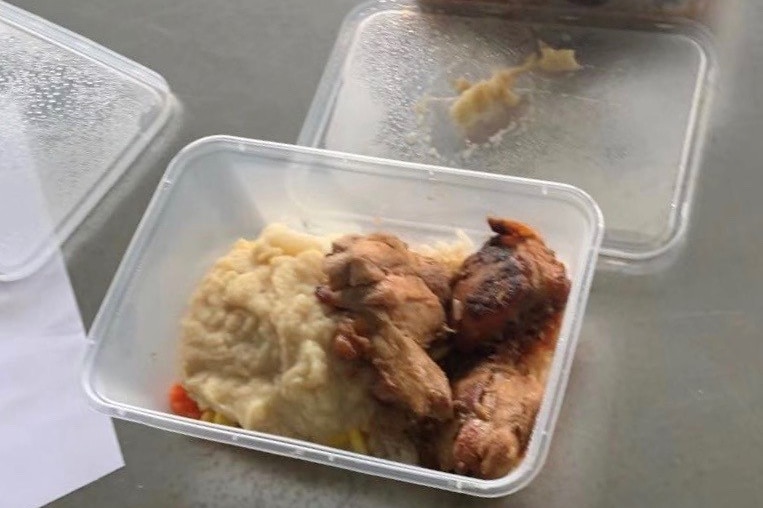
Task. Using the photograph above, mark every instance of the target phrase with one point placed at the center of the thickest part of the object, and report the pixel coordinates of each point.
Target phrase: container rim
(79, 44)
(556, 384)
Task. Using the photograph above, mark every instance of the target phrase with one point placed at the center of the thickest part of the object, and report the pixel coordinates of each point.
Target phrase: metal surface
(665, 403)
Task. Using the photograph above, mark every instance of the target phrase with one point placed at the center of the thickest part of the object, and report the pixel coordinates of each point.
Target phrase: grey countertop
(665, 403)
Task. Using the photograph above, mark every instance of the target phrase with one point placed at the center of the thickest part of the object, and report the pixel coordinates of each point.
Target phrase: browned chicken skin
(507, 302)
(499, 405)
(496, 401)
(393, 303)
(358, 260)
(513, 282)
(508, 297)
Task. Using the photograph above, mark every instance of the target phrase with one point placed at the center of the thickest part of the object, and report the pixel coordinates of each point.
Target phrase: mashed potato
(487, 100)
(255, 343)
(449, 254)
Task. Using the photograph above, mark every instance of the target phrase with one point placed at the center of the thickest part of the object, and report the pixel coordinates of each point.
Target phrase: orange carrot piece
(182, 404)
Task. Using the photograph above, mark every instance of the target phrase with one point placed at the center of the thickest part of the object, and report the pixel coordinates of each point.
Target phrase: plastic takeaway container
(221, 188)
(628, 127)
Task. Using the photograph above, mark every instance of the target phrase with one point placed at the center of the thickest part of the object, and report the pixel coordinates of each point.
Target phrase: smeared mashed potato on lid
(487, 100)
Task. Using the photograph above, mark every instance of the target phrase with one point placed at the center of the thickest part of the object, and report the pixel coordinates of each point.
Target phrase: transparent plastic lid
(73, 115)
(626, 127)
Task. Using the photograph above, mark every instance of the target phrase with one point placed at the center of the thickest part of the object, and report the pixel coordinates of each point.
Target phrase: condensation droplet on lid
(78, 133)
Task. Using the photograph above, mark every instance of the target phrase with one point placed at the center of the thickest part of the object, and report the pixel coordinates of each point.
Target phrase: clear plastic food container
(627, 127)
(219, 189)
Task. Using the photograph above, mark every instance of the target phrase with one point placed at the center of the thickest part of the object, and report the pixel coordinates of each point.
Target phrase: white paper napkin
(51, 441)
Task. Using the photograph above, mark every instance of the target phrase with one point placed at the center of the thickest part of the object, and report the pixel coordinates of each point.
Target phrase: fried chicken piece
(392, 312)
(373, 329)
(496, 401)
(507, 287)
(358, 260)
(501, 404)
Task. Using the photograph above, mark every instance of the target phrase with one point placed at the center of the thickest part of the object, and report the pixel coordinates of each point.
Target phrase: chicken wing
(358, 260)
(507, 287)
(496, 401)
(392, 313)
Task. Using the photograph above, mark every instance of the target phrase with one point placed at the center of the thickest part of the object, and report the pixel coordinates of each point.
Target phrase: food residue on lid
(488, 100)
